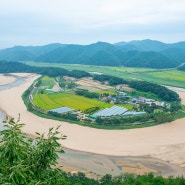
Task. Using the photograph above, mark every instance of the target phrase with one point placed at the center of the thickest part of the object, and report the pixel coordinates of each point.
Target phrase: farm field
(89, 84)
(47, 81)
(171, 77)
(50, 101)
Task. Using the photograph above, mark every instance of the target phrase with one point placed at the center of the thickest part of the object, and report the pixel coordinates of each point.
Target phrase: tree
(28, 161)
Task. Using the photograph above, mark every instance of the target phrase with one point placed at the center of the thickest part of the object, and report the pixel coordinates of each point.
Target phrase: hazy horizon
(87, 43)
(83, 22)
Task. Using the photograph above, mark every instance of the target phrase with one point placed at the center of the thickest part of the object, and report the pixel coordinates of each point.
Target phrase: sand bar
(6, 79)
(165, 141)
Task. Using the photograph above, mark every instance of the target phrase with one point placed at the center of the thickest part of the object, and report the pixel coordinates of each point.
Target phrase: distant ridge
(143, 53)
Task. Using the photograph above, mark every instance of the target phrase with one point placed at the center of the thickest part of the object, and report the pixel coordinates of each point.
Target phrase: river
(17, 82)
(94, 165)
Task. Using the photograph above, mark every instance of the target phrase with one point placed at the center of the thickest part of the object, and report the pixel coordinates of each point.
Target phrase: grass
(47, 81)
(180, 114)
(106, 91)
(171, 77)
(50, 101)
(129, 107)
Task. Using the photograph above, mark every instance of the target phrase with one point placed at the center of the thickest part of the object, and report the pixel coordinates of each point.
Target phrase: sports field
(50, 101)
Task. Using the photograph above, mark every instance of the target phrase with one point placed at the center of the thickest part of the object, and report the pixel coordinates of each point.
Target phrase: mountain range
(144, 53)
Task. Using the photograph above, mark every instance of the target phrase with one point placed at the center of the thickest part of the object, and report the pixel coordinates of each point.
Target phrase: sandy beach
(166, 141)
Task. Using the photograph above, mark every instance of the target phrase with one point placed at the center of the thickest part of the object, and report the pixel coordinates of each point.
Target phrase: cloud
(85, 21)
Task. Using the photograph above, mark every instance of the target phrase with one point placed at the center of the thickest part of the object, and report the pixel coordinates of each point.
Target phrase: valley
(162, 141)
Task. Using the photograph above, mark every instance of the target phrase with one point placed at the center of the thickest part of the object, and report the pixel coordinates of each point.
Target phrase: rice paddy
(50, 101)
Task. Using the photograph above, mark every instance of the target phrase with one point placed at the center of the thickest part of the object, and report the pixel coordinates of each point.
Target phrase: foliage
(127, 120)
(161, 91)
(162, 117)
(86, 93)
(17, 67)
(91, 110)
(79, 74)
(112, 80)
(69, 85)
(102, 54)
(28, 161)
(67, 116)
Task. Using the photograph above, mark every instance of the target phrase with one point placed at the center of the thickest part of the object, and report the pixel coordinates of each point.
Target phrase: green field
(106, 91)
(171, 77)
(47, 81)
(50, 101)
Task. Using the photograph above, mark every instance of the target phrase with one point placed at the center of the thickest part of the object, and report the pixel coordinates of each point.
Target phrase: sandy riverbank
(165, 141)
(6, 79)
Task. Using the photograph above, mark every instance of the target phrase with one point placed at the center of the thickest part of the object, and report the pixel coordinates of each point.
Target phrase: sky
(40, 22)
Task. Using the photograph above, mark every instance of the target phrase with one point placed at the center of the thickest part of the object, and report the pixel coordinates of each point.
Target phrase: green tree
(28, 161)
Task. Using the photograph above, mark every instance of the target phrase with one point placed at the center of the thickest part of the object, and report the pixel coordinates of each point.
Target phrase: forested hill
(145, 53)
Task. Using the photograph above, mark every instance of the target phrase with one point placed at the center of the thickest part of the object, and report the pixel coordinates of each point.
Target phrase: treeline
(161, 91)
(159, 118)
(67, 116)
(124, 179)
(112, 80)
(34, 161)
(17, 67)
(86, 93)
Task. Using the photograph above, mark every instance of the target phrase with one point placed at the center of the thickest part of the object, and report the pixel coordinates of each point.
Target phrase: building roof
(130, 113)
(62, 110)
(113, 111)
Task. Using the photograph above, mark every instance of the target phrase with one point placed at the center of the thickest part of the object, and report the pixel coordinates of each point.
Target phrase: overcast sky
(39, 22)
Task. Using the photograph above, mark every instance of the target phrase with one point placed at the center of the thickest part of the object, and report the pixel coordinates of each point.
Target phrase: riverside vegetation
(155, 114)
(88, 102)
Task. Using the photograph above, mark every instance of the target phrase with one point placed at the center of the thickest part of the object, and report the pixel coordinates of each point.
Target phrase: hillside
(144, 53)
(182, 67)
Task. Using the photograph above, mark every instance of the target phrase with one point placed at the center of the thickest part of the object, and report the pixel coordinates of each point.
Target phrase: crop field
(171, 77)
(105, 91)
(47, 81)
(129, 107)
(50, 101)
(86, 83)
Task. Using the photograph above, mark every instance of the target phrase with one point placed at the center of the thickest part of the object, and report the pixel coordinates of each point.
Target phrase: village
(120, 98)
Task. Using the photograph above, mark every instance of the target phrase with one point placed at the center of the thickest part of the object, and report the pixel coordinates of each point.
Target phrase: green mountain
(150, 59)
(144, 45)
(24, 53)
(144, 53)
